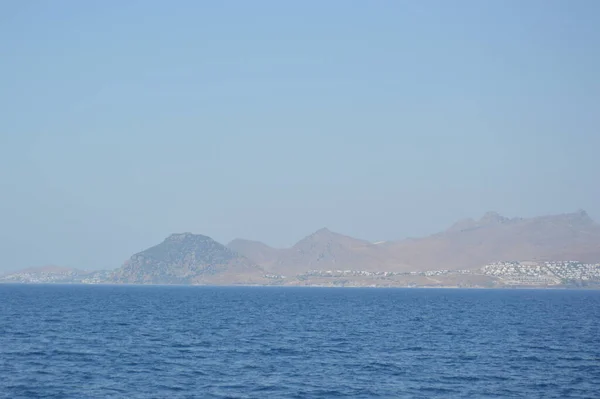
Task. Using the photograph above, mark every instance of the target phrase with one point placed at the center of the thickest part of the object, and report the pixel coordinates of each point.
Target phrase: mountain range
(467, 245)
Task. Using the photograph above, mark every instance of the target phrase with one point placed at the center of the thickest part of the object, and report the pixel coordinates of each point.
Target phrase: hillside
(188, 259)
(467, 244)
(258, 252)
(470, 244)
(322, 250)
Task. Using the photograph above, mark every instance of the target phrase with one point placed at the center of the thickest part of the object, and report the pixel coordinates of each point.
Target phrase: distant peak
(324, 233)
(582, 213)
(582, 216)
(579, 217)
(185, 236)
(492, 217)
(321, 234)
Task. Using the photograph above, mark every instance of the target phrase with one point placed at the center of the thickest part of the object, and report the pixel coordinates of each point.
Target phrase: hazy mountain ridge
(495, 238)
(326, 257)
(322, 250)
(468, 243)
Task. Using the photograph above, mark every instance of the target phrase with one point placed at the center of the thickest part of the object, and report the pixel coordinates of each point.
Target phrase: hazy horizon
(304, 235)
(123, 123)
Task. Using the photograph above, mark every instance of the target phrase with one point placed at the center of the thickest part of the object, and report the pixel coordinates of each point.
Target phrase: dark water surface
(188, 342)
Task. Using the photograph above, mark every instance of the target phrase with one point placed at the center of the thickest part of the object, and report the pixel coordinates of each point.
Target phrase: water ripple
(186, 342)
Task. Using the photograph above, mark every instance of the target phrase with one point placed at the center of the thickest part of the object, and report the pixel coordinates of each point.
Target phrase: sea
(85, 341)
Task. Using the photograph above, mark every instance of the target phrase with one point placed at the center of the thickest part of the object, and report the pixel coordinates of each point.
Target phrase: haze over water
(184, 342)
(123, 123)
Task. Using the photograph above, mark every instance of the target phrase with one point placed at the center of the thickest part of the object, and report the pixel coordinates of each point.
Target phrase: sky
(122, 122)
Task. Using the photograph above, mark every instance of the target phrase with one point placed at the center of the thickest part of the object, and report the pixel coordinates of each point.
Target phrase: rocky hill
(188, 259)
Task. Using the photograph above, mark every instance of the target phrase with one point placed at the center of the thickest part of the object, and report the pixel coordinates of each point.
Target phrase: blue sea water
(249, 342)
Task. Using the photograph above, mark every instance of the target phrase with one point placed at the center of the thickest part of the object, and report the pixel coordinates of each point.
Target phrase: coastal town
(544, 273)
(499, 274)
(57, 276)
(365, 273)
(509, 273)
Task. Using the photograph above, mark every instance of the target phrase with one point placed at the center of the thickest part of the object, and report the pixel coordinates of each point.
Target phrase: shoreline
(504, 288)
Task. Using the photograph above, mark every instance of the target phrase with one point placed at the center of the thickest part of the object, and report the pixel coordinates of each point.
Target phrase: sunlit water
(187, 342)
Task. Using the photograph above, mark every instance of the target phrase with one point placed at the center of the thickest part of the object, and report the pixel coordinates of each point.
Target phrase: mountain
(473, 243)
(467, 244)
(188, 259)
(540, 251)
(258, 252)
(322, 250)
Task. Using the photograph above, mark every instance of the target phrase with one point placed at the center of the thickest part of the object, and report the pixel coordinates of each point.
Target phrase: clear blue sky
(124, 121)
